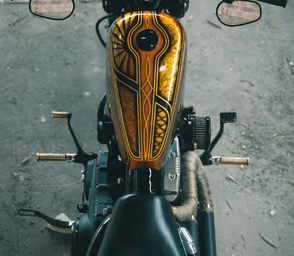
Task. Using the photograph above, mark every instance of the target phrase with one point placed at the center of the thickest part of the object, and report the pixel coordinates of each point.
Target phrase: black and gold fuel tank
(146, 55)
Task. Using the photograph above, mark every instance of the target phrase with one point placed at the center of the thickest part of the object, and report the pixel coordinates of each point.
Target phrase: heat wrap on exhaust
(195, 188)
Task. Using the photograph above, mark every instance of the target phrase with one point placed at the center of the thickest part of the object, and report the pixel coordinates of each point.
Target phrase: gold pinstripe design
(144, 128)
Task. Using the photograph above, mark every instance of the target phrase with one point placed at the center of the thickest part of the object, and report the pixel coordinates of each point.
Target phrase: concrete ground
(50, 65)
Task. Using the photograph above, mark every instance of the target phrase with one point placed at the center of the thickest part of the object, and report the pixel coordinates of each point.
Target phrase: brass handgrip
(231, 160)
(56, 114)
(55, 157)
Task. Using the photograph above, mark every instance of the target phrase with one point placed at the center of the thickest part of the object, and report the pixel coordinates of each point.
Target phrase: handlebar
(282, 3)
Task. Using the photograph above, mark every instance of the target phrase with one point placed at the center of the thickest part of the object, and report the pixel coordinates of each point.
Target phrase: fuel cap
(147, 40)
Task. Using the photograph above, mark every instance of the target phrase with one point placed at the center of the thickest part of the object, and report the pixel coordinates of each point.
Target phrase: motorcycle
(149, 194)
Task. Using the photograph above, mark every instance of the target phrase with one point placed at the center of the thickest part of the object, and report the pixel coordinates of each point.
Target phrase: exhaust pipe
(195, 190)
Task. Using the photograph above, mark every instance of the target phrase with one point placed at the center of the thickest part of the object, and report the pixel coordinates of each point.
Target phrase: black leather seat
(141, 225)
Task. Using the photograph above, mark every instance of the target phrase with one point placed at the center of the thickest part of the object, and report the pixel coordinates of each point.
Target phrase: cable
(98, 31)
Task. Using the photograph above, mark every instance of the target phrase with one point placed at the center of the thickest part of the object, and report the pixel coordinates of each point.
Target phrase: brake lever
(225, 117)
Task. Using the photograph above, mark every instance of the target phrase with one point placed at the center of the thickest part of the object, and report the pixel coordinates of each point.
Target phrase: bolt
(171, 176)
(105, 211)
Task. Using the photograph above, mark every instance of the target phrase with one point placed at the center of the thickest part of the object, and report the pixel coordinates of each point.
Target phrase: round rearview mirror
(52, 9)
(238, 13)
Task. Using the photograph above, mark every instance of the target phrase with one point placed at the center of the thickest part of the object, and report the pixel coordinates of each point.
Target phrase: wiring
(98, 31)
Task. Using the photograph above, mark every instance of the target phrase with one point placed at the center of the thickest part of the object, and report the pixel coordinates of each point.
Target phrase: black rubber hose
(97, 238)
(98, 31)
